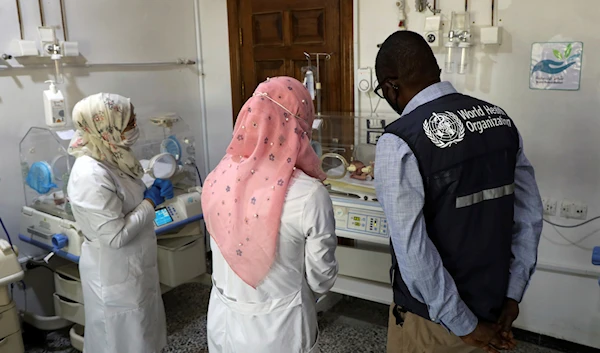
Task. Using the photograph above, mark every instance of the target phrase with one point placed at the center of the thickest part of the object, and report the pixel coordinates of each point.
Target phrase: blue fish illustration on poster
(552, 67)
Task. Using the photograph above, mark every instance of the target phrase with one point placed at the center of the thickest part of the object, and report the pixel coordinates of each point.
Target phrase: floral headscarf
(243, 197)
(100, 120)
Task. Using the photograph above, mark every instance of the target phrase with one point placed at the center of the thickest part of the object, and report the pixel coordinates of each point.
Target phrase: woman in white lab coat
(272, 228)
(124, 311)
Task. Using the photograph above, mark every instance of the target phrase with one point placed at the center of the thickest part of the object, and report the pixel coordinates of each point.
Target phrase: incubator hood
(45, 167)
(167, 150)
(346, 144)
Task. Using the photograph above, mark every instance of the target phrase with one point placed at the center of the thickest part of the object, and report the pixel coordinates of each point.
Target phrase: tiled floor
(352, 326)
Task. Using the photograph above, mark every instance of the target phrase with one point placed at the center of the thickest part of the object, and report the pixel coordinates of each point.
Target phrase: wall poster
(556, 66)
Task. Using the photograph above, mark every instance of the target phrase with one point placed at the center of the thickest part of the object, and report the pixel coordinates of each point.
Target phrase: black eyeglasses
(379, 89)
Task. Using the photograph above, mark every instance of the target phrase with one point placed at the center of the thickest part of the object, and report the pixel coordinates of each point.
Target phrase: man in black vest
(462, 204)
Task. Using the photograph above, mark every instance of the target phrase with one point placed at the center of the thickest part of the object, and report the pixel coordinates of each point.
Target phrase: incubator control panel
(178, 209)
(360, 220)
(369, 224)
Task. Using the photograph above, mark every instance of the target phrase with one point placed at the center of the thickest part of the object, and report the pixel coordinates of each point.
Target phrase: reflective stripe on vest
(485, 195)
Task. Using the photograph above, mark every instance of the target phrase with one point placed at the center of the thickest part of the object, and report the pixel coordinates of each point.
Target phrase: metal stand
(318, 78)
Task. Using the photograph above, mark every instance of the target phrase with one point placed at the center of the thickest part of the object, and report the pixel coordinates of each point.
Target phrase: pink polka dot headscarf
(243, 196)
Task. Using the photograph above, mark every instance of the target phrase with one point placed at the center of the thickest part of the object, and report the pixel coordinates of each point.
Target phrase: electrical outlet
(573, 210)
(373, 137)
(364, 79)
(375, 124)
(433, 34)
(550, 206)
(579, 211)
(565, 208)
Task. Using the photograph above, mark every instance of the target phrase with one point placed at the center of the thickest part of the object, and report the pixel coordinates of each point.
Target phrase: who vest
(466, 150)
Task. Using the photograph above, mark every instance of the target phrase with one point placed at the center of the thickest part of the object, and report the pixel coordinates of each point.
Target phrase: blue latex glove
(166, 188)
(154, 195)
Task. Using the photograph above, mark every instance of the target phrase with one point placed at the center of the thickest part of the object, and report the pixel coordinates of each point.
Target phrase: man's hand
(487, 337)
(509, 314)
(505, 343)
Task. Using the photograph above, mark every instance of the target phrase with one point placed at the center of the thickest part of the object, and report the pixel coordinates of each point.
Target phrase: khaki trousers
(418, 335)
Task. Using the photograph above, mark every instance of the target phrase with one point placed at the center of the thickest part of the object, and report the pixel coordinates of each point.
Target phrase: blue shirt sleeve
(400, 191)
(527, 228)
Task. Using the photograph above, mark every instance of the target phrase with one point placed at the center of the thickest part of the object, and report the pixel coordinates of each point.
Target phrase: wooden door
(269, 37)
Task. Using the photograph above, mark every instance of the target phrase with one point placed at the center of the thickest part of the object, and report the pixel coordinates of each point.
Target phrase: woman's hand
(159, 191)
(165, 187)
(154, 196)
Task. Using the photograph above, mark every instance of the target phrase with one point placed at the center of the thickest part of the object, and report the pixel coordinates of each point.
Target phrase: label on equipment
(317, 124)
(58, 111)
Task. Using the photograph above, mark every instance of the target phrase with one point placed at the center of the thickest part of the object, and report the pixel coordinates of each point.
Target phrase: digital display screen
(162, 217)
(356, 219)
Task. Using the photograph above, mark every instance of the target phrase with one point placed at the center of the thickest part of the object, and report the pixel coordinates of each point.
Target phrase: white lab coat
(124, 312)
(279, 316)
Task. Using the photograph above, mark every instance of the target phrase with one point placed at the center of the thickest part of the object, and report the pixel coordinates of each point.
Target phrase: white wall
(217, 83)
(114, 31)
